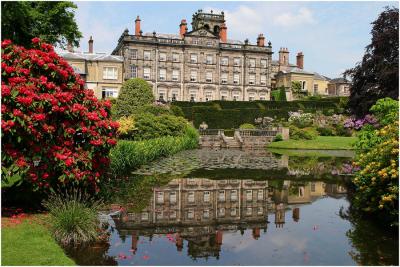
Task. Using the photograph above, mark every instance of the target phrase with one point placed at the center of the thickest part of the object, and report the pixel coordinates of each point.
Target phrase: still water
(233, 207)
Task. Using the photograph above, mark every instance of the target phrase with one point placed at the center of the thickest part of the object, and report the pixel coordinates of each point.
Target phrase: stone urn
(203, 126)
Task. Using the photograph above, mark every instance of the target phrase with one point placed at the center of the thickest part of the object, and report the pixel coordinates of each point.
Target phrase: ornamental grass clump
(73, 217)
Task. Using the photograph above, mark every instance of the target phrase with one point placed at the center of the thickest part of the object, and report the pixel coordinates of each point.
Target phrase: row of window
(206, 196)
(194, 76)
(206, 213)
(209, 96)
(224, 61)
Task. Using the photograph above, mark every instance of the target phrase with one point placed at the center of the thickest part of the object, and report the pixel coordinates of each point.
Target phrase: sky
(331, 35)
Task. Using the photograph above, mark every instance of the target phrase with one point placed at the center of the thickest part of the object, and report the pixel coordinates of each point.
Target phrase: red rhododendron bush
(54, 131)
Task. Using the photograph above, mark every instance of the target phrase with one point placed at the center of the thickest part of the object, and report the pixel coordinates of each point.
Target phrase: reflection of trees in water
(91, 254)
(316, 165)
(372, 244)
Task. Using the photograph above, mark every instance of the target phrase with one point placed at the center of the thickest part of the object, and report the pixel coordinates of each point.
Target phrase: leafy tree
(296, 86)
(279, 94)
(377, 75)
(54, 131)
(51, 21)
(134, 95)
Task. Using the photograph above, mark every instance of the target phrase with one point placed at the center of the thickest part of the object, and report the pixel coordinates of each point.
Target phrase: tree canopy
(134, 95)
(377, 75)
(53, 22)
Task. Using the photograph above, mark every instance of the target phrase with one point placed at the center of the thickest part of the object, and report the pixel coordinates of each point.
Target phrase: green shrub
(177, 111)
(247, 126)
(340, 130)
(156, 110)
(278, 137)
(149, 126)
(134, 94)
(302, 134)
(128, 155)
(329, 112)
(279, 94)
(73, 217)
(325, 131)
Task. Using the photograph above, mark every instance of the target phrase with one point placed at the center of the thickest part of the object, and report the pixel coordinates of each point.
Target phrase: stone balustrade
(242, 138)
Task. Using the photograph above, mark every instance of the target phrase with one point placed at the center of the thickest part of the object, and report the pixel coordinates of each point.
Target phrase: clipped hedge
(231, 114)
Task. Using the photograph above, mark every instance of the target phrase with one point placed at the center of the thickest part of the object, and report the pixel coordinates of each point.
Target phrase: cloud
(304, 16)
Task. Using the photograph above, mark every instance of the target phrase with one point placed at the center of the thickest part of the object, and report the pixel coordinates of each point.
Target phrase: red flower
(70, 131)
(21, 162)
(35, 40)
(69, 162)
(97, 142)
(5, 90)
(9, 69)
(3, 108)
(17, 113)
(114, 124)
(5, 43)
(39, 117)
(112, 142)
(27, 101)
(92, 116)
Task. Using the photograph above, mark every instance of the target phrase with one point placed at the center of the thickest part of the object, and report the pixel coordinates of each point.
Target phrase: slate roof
(339, 80)
(90, 57)
(320, 77)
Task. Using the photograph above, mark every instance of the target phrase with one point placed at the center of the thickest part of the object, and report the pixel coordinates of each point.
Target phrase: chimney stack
(91, 45)
(137, 26)
(223, 33)
(300, 60)
(283, 56)
(182, 28)
(260, 40)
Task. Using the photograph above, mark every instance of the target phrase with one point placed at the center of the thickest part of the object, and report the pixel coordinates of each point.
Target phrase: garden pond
(235, 207)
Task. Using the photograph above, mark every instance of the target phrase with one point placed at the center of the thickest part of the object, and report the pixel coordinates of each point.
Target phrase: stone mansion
(197, 65)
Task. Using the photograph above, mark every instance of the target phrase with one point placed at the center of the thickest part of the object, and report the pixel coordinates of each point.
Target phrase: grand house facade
(198, 65)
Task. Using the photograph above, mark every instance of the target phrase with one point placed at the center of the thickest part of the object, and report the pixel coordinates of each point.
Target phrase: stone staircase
(230, 142)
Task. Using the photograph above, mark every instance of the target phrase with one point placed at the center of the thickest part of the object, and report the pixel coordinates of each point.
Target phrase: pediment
(202, 32)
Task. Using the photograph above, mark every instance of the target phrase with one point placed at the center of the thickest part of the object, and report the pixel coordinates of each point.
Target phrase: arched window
(207, 26)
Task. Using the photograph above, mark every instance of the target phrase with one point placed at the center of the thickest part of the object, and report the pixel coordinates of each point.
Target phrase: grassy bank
(322, 142)
(128, 155)
(28, 242)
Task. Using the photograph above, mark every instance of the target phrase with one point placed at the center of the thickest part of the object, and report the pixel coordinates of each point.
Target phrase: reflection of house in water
(202, 210)
(335, 190)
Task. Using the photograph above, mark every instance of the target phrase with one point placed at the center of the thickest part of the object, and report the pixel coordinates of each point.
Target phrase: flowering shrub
(300, 119)
(376, 182)
(353, 123)
(53, 130)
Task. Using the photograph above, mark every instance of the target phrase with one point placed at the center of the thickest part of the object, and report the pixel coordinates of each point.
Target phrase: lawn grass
(322, 142)
(28, 242)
